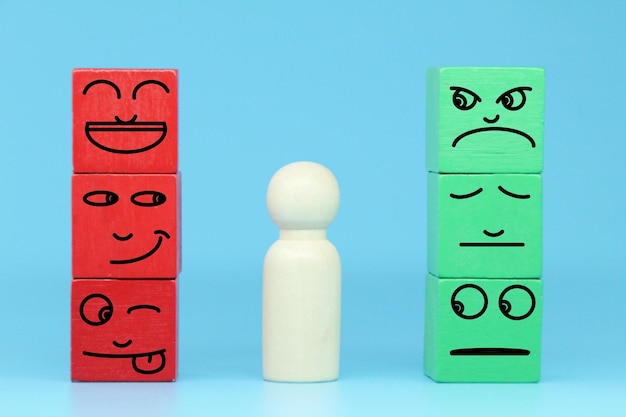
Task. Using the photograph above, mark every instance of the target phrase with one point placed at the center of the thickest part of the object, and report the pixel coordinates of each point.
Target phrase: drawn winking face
(123, 329)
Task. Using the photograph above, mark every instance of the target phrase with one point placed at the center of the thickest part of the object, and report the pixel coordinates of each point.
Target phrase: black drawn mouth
(151, 252)
(144, 363)
(115, 136)
(490, 352)
(492, 128)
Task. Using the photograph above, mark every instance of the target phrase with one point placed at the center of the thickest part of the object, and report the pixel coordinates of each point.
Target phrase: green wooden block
(485, 225)
(483, 330)
(484, 120)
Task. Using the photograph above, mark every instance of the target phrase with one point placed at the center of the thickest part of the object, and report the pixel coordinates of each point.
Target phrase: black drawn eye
(469, 195)
(517, 302)
(469, 301)
(513, 99)
(143, 307)
(118, 93)
(96, 309)
(512, 194)
(464, 99)
(148, 198)
(146, 82)
(100, 198)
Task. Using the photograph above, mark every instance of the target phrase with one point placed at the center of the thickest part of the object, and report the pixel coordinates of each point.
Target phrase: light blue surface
(343, 85)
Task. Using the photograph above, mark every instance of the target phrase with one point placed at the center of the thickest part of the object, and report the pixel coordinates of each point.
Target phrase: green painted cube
(483, 330)
(484, 120)
(485, 225)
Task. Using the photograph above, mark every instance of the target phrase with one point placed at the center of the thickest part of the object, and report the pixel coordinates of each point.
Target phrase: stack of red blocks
(126, 242)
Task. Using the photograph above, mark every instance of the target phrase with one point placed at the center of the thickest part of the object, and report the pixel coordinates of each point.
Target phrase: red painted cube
(125, 226)
(125, 121)
(123, 330)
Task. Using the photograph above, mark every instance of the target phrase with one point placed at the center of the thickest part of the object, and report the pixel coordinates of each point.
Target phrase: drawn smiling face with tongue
(123, 330)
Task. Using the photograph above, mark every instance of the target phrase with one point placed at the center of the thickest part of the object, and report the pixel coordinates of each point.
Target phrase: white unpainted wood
(302, 278)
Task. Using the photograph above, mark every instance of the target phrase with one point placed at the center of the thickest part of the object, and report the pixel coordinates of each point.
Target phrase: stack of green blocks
(484, 156)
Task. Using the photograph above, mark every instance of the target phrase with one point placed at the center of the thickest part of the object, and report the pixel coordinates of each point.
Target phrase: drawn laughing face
(124, 226)
(485, 226)
(123, 330)
(125, 121)
(485, 120)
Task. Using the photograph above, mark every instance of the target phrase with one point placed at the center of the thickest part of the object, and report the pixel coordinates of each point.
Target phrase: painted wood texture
(483, 330)
(485, 226)
(484, 120)
(123, 330)
(125, 226)
(125, 121)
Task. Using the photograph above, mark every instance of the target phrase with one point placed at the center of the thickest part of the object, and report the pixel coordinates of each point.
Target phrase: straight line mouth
(123, 355)
(503, 244)
(490, 352)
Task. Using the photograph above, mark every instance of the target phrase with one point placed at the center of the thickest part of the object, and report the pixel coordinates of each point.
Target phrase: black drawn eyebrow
(510, 194)
(137, 307)
(107, 82)
(461, 196)
(141, 84)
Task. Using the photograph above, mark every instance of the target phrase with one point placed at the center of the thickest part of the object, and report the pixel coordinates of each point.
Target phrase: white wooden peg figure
(302, 278)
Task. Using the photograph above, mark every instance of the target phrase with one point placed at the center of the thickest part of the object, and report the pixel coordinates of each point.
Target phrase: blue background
(341, 84)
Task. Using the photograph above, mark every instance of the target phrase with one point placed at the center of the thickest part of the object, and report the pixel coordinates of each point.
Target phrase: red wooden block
(126, 225)
(125, 121)
(123, 330)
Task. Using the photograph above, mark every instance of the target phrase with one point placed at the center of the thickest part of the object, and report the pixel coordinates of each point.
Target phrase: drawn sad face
(123, 330)
(125, 121)
(485, 225)
(125, 226)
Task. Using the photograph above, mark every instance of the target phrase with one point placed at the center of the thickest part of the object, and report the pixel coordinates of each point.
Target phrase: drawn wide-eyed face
(486, 120)
(489, 329)
(125, 226)
(485, 226)
(125, 121)
(123, 330)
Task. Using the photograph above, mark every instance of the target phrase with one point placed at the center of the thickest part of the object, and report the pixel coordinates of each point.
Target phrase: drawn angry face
(485, 120)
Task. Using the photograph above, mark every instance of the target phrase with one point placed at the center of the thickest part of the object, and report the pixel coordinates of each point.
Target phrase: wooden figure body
(302, 278)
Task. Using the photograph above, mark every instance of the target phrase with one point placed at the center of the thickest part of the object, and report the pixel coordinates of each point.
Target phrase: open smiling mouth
(492, 128)
(126, 137)
(145, 255)
(144, 363)
(490, 352)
